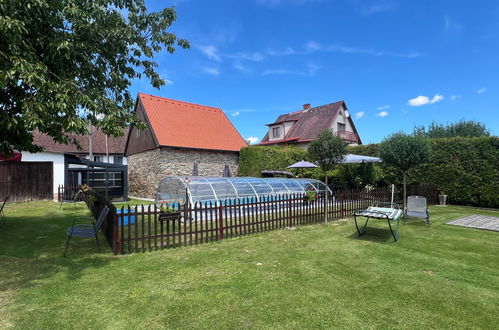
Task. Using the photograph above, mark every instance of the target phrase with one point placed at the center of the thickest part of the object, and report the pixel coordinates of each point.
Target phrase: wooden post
(116, 235)
(220, 223)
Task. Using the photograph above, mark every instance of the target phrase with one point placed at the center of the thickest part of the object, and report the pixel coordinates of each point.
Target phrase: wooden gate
(26, 181)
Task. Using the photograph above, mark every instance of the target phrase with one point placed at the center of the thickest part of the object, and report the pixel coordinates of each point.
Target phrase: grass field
(311, 277)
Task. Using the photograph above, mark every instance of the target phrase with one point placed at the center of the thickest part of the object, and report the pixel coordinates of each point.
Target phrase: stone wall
(146, 169)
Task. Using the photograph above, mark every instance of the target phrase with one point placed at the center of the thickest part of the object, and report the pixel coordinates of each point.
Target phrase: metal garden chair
(87, 230)
(2, 214)
(417, 207)
(390, 212)
(74, 200)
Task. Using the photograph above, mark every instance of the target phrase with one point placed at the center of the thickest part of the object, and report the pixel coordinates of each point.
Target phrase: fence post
(116, 234)
(290, 208)
(220, 223)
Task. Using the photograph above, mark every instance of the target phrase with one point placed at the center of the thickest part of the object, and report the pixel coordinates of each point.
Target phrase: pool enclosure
(200, 189)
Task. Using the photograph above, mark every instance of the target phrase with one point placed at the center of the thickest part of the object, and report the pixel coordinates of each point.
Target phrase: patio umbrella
(303, 164)
(195, 169)
(355, 159)
(227, 172)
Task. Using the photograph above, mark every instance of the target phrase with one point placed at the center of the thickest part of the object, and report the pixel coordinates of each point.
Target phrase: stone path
(477, 221)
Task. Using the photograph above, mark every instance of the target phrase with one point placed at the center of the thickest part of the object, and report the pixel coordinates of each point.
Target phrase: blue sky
(395, 63)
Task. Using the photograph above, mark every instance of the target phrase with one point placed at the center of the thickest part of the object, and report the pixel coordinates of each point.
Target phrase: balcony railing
(348, 136)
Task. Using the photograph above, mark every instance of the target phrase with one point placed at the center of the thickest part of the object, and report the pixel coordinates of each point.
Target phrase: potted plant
(166, 212)
(310, 196)
(442, 198)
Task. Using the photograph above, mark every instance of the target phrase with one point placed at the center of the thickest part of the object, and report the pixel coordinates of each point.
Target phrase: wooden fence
(26, 181)
(139, 228)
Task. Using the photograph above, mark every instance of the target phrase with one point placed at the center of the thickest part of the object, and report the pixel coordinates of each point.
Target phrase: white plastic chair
(417, 207)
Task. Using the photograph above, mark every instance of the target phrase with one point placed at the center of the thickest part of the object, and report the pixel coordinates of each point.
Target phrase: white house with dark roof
(56, 153)
(301, 127)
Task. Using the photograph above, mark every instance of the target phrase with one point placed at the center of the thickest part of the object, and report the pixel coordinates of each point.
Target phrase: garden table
(378, 211)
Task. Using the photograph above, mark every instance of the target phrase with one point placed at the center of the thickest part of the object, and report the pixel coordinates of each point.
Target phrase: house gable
(140, 140)
(303, 126)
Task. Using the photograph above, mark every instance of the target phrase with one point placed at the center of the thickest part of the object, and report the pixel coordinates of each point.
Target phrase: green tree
(463, 128)
(404, 152)
(327, 150)
(64, 63)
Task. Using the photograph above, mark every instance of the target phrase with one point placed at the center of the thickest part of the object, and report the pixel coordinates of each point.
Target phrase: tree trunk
(405, 194)
(325, 201)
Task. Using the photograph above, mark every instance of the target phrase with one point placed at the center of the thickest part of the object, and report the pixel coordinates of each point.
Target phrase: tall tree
(404, 152)
(64, 63)
(464, 128)
(327, 150)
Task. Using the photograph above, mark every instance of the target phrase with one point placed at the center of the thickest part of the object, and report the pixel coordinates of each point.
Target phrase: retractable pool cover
(176, 189)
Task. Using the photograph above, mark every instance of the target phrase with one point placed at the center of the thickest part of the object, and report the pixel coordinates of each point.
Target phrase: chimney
(306, 106)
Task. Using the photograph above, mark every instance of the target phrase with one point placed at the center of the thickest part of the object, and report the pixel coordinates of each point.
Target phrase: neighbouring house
(179, 136)
(301, 127)
(61, 154)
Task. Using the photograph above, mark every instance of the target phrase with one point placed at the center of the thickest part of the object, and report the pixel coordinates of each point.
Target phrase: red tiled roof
(116, 146)
(187, 125)
(282, 141)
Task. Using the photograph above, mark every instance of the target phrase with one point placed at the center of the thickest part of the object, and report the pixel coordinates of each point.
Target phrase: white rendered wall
(57, 159)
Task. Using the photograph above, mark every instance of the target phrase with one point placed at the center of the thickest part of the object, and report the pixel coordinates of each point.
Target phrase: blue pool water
(127, 219)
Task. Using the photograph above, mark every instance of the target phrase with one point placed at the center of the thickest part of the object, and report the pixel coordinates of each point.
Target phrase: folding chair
(2, 214)
(74, 199)
(87, 230)
(416, 207)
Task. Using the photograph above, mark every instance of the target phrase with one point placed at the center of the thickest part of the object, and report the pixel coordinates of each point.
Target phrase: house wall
(56, 158)
(281, 132)
(147, 168)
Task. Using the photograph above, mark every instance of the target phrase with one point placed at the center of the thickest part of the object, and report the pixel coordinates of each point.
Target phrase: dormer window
(276, 132)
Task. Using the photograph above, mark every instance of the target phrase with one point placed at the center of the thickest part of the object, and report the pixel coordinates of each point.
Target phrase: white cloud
(211, 52)
(436, 98)
(422, 100)
(313, 46)
(310, 71)
(382, 114)
(419, 101)
(359, 114)
(284, 52)
(235, 114)
(481, 90)
(375, 8)
(240, 67)
(211, 71)
(252, 139)
(455, 97)
(383, 107)
(254, 57)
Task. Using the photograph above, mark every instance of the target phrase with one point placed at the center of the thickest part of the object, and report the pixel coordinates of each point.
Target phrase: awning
(354, 159)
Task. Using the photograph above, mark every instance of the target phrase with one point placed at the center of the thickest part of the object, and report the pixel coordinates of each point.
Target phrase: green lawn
(311, 277)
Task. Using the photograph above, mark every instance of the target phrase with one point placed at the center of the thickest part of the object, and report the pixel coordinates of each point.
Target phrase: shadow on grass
(377, 235)
(32, 245)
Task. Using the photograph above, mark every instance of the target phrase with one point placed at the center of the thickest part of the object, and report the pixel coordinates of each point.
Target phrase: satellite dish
(347, 114)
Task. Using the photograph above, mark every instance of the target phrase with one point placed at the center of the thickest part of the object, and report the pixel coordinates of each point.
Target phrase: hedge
(255, 159)
(466, 169)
